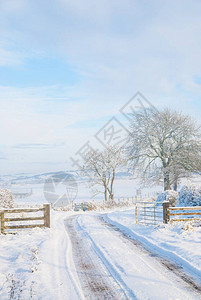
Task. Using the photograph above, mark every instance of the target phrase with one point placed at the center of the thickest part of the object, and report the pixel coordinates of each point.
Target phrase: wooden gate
(9, 217)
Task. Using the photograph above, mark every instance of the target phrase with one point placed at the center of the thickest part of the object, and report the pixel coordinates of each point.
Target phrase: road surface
(109, 265)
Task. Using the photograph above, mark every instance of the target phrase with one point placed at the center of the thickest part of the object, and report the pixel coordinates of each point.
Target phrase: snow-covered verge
(36, 263)
(19, 264)
(179, 243)
(99, 206)
(109, 205)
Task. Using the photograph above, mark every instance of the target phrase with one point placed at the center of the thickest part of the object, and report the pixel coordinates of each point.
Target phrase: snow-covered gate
(80, 206)
(19, 218)
(148, 213)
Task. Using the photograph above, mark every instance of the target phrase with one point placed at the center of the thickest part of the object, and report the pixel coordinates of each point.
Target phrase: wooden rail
(9, 219)
(176, 214)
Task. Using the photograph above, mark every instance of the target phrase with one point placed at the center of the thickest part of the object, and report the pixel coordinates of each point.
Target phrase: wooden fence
(176, 214)
(6, 216)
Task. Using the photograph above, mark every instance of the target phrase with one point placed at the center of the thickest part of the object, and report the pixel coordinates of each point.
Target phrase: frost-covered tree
(164, 146)
(102, 166)
(6, 199)
(190, 195)
(170, 196)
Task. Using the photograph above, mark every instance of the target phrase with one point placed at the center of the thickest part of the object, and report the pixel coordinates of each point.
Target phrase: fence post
(46, 215)
(136, 213)
(2, 223)
(145, 213)
(82, 206)
(165, 212)
(154, 214)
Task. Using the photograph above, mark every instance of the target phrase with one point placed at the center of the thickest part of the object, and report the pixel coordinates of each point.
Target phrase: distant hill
(40, 178)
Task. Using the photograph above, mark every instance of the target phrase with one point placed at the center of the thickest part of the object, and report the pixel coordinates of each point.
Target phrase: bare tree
(102, 166)
(164, 145)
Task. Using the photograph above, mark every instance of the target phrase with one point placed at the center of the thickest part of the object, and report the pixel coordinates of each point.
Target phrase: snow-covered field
(82, 257)
(123, 189)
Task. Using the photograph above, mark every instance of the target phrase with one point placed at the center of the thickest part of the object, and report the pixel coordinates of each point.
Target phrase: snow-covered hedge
(170, 196)
(6, 199)
(107, 205)
(190, 195)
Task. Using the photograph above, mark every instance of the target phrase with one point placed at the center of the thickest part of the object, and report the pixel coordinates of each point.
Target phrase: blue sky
(67, 67)
(39, 72)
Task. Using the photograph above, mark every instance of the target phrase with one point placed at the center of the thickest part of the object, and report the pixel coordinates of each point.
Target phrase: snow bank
(179, 242)
(20, 263)
(36, 263)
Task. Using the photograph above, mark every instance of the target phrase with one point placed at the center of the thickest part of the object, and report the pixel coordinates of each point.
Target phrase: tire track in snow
(112, 270)
(96, 279)
(177, 270)
(136, 269)
(57, 269)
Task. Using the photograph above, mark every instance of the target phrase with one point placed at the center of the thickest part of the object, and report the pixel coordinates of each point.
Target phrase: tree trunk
(111, 186)
(175, 185)
(166, 176)
(105, 193)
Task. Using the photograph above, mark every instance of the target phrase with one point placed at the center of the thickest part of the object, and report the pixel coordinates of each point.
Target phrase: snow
(38, 263)
(19, 263)
(180, 243)
(138, 274)
(123, 188)
(169, 196)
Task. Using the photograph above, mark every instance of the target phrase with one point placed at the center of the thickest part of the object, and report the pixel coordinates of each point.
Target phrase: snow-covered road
(109, 266)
